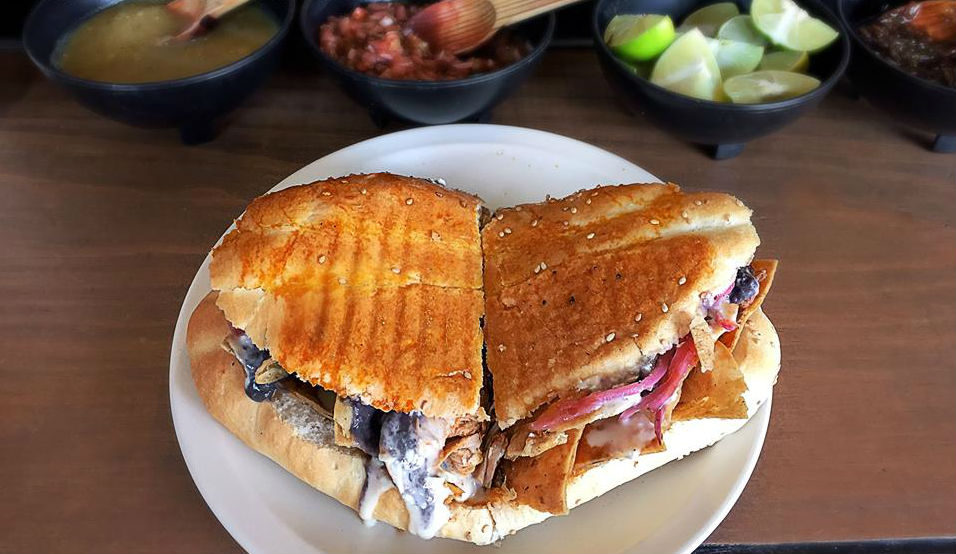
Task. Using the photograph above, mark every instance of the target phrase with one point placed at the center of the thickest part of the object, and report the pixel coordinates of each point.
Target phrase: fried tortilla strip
(764, 270)
(342, 417)
(541, 482)
(714, 394)
(527, 443)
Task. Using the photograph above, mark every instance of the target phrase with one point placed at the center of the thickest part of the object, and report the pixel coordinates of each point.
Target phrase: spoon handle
(513, 11)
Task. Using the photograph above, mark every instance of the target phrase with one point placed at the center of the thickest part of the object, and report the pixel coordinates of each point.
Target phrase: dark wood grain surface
(102, 227)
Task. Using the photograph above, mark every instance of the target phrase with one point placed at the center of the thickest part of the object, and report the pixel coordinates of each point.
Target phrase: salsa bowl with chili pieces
(395, 74)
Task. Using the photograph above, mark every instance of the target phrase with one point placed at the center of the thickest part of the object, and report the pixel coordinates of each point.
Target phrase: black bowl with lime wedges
(720, 74)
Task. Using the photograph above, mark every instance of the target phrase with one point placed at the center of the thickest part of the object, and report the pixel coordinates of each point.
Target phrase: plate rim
(179, 356)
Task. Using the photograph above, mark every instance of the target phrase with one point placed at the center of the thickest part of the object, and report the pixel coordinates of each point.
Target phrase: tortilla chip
(541, 482)
(492, 496)
(527, 443)
(714, 394)
(612, 438)
(342, 418)
(764, 270)
(703, 336)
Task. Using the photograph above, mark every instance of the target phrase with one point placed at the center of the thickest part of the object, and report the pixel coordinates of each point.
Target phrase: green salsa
(130, 43)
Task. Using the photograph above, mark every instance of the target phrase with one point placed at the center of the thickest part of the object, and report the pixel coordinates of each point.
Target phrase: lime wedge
(709, 18)
(688, 67)
(619, 23)
(786, 60)
(644, 38)
(790, 26)
(768, 86)
(741, 29)
(735, 58)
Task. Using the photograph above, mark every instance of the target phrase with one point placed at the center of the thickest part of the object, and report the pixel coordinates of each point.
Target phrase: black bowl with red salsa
(397, 76)
(374, 39)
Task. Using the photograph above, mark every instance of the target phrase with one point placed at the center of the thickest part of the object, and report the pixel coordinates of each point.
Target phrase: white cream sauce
(632, 434)
(410, 447)
(377, 482)
(466, 483)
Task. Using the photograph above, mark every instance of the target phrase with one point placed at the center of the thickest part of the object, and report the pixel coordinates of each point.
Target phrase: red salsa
(919, 37)
(373, 39)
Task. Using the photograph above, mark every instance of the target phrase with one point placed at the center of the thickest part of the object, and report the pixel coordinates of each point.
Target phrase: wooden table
(102, 227)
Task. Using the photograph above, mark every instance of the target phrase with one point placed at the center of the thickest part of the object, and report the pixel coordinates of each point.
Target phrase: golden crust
(367, 285)
(339, 472)
(588, 286)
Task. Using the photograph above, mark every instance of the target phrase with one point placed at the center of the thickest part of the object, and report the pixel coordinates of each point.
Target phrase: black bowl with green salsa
(194, 103)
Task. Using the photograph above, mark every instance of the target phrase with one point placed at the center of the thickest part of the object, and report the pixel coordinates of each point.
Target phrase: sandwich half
(612, 320)
(343, 339)
(361, 298)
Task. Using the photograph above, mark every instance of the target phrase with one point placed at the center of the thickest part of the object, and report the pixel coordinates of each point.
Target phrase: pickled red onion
(569, 409)
(684, 359)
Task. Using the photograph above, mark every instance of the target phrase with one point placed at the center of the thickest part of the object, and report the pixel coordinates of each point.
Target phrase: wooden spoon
(459, 26)
(200, 15)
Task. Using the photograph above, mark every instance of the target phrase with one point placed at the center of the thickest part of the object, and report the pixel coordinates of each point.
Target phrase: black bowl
(425, 102)
(913, 101)
(192, 104)
(726, 127)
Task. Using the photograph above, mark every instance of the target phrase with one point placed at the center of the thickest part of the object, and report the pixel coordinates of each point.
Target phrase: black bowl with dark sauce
(913, 101)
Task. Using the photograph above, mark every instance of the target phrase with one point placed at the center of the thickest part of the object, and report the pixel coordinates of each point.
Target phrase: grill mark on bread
(423, 324)
(396, 347)
(377, 318)
(324, 292)
(348, 319)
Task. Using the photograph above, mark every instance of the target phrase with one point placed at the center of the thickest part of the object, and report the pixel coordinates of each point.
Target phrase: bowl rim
(860, 43)
(536, 52)
(48, 67)
(825, 85)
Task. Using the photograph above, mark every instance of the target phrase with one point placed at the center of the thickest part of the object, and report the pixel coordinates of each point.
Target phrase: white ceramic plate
(672, 509)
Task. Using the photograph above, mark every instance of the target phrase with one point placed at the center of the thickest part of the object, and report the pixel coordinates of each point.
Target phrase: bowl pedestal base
(726, 151)
(199, 132)
(945, 144)
(723, 151)
(381, 119)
